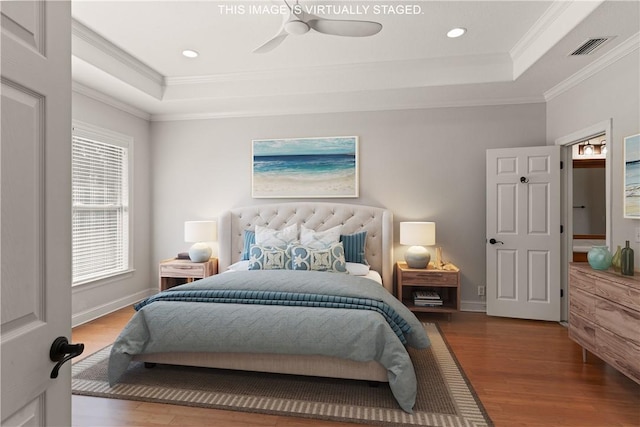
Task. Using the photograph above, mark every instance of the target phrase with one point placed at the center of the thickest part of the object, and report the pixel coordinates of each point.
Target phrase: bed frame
(378, 223)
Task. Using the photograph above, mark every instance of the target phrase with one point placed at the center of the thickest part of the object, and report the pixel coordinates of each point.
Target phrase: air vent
(589, 46)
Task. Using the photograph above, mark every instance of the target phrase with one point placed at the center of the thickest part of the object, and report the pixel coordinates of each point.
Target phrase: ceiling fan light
(456, 32)
(296, 27)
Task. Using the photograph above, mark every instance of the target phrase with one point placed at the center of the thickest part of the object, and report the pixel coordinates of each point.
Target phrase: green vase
(616, 261)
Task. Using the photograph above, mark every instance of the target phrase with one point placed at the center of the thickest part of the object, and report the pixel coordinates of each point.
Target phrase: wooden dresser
(604, 316)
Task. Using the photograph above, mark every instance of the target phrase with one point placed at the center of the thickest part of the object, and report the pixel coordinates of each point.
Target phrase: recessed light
(456, 32)
(190, 53)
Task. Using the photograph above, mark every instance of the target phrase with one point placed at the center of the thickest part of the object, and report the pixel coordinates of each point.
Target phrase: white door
(523, 232)
(35, 206)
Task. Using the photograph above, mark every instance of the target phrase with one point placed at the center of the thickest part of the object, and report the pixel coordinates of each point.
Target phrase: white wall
(422, 164)
(613, 94)
(96, 299)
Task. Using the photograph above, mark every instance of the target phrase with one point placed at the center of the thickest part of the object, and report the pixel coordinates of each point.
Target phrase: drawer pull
(429, 274)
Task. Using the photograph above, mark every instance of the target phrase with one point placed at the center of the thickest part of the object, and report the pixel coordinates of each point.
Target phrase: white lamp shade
(200, 231)
(418, 233)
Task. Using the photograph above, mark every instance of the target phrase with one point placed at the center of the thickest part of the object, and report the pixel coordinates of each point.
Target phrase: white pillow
(268, 237)
(319, 239)
(239, 266)
(357, 269)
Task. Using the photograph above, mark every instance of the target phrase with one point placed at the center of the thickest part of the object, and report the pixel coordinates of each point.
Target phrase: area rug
(445, 397)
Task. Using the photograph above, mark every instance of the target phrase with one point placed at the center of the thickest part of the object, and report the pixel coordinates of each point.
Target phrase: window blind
(100, 195)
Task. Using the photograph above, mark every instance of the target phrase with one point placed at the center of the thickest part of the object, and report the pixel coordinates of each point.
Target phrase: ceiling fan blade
(338, 27)
(273, 43)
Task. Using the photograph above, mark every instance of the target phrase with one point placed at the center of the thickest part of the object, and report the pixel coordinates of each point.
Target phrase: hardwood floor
(526, 373)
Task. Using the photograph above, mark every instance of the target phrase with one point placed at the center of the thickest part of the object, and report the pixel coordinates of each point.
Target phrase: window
(100, 196)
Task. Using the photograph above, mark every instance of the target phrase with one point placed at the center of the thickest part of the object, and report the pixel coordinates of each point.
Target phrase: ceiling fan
(299, 22)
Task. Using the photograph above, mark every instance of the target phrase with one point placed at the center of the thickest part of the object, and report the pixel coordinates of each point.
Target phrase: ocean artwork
(632, 176)
(305, 167)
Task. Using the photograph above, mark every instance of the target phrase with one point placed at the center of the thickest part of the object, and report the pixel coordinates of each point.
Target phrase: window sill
(89, 284)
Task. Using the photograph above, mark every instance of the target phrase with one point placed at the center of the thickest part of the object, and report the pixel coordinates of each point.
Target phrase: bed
(368, 336)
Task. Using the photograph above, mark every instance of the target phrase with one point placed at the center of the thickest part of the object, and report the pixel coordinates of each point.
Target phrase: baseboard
(477, 306)
(102, 310)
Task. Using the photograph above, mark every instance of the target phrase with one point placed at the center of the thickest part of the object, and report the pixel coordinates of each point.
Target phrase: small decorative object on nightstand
(429, 290)
(200, 232)
(418, 235)
(174, 272)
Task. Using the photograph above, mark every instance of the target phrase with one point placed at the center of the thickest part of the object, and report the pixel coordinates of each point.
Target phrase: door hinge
(561, 164)
(561, 293)
(561, 229)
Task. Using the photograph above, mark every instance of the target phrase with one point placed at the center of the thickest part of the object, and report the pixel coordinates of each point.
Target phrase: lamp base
(200, 252)
(417, 257)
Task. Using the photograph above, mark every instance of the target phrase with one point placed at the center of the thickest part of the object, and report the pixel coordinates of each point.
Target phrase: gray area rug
(445, 397)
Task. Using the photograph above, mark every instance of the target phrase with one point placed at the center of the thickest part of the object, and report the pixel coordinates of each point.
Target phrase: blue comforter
(282, 312)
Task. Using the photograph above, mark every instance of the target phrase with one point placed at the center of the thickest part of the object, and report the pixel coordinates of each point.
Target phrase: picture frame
(321, 167)
(632, 177)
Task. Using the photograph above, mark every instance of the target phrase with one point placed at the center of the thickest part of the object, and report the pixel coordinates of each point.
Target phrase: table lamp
(417, 235)
(200, 232)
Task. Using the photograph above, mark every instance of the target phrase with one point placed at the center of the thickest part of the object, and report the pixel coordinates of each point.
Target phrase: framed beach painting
(322, 167)
(632, 177)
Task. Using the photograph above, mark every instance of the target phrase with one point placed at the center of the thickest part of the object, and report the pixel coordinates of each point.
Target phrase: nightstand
(445, 283)
(174, 272)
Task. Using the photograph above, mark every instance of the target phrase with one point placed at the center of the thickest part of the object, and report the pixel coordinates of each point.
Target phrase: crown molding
(344, 78)
(422, 65)
(101, 53)
(542, 25)
(557, 21)
(620, 51)
(108, 100)
(342, 108)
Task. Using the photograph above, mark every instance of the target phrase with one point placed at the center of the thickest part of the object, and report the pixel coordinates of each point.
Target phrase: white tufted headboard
(378, 223)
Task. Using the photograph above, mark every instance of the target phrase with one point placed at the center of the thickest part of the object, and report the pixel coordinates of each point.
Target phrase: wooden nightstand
(446, 283)
(174, 272)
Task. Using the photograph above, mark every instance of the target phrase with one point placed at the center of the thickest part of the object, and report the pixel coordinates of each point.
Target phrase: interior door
(35, 206)
(523, 232)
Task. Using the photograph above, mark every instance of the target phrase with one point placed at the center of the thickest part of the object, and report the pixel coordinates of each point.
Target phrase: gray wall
(98, 298)
(613, 94)
(421, 164)
(589, 191)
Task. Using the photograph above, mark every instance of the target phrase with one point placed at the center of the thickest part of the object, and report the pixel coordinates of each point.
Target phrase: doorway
(572, 225)
(589, 196)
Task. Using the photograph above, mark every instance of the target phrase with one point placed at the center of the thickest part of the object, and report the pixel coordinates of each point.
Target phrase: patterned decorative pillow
(319, 239)
(249, 239)
(329, 259)
(269, 237)
(354, 246)
(269, 258)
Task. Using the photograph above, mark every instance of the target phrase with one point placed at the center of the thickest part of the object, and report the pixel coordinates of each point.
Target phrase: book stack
(427, 299)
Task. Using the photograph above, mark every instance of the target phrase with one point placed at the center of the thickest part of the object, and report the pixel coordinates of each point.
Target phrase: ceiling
(129, 55)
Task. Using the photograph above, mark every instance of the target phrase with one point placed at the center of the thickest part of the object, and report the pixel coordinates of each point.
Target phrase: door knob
(61, 352)
(494, 241)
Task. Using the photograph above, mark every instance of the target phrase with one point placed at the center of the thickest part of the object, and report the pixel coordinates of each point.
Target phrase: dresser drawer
(617, 293)
(582, 331)
(619, 320)
(430, 278)
(581, 280)
(620, 353)
(581, 303)
(183, 270)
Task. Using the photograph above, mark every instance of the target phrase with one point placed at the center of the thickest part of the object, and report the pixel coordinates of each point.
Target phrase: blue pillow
(269, 258)
(329, 259)
(354, 245)
(249, 239)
